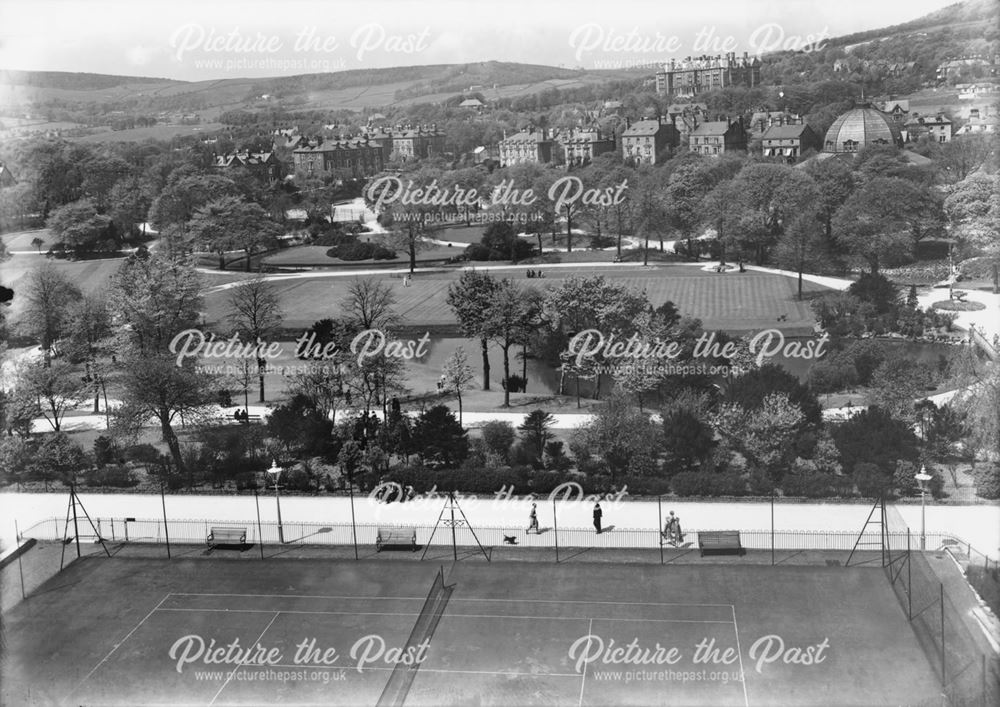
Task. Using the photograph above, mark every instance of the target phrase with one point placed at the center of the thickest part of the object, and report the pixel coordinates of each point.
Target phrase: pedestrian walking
(533, 520)
(675, 529)
(597, 517)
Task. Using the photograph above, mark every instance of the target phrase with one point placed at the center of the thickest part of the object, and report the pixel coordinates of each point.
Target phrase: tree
(439, 438)
(510, 315)
(768, 198)
(80, 227)
(154, 386)
(55, 386)
(129, 200)
(750, 390)
(886, 218)
(184, 194)
(48, 293)
(801, 246)
(498, 436)
(37, 243)
(57, 457)
(535, 431)
(687, 439)
(255, 313)
(874, 436)
(764, 434)
(154, 298)
(621, 435)
(973, 209)
(834, 185)
(89, 341)
(369, 305)
(470, 299)
(457, 376)
(229, 223)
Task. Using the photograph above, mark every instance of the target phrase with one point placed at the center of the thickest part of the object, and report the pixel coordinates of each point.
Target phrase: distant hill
(72, 81)
(984, 13)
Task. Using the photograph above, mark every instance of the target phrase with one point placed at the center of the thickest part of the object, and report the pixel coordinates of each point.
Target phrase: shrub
(477, 251)
(703, 483)
(810, 485)
(870, 480)
(987, 480)
(601, 242)
(646, 485)
(356, 250)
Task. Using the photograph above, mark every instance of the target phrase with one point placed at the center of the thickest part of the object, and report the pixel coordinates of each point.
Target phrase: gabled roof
(644, 127)
(712, 127)
(471, 103)
(779, 132)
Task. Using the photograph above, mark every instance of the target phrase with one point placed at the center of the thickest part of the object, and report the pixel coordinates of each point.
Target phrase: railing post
(659, 524)
(555, 528)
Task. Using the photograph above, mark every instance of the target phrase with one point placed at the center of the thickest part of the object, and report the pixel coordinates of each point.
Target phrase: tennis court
(303, 632)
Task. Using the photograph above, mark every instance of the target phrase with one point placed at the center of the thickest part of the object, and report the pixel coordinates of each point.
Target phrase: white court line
(514, 673)
(452, 615)
(483, 599)
(739, 652)
(117, 646)
(228, 679)
(583, 680)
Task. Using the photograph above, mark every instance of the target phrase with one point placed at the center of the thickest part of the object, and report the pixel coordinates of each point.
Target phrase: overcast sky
(203, 40)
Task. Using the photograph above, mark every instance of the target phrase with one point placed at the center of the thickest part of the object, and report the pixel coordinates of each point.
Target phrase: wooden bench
(226, 536)
(719, 541)
(396, 536)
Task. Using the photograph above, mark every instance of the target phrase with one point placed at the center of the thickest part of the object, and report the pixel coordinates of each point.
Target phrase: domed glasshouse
(861, 127)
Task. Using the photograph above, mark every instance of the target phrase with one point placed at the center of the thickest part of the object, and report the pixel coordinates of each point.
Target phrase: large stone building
(861, 127)
(354, 157)
(416, 143)
(580, 147)
(936, 127)
(707, 73)
(716, 137)
(526, 146)
(645, 140)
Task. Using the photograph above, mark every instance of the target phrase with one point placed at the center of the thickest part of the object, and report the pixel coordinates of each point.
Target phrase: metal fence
(195, 531)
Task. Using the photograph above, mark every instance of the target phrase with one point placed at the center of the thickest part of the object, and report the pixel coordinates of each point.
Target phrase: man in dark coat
(597, 517)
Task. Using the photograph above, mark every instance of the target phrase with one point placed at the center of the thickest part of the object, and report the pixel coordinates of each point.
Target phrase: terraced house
(353, 157)
(645, 140)
(717, 137)
(416, 143)
(581, 147)
(526, 146)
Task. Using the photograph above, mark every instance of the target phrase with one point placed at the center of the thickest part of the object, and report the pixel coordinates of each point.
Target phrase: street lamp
(923, 478)
(275, 473)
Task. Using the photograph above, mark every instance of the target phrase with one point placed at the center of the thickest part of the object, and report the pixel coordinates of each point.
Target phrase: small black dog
(509, 539)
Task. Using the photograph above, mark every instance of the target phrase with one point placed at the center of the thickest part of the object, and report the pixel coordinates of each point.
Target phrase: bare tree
(369, 304)
(48, 294)
(56, 388)
(255, 313)
(457, 376)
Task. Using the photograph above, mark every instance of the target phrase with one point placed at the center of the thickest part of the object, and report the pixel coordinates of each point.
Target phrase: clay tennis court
(127, 631)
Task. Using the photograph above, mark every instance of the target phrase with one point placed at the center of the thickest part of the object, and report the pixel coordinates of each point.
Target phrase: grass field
(751, 300)
(102, 632)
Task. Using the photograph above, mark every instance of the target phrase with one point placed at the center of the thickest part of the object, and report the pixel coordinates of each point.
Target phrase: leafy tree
(877, 290)
(90, 341)
(834, 185)
(48, 293)
(687, 439)
(535, 431)
(498, 436)
(130, 200)
(184, 194)
(439, 438)
(749, 391)
(300, 427)
(973, 209)
(897, 384)
(511, 314)
(621, 435)
(56, 387)
(154, 386)
(470, 299)
(765, 434)
(457, 376)
(57, 458)
(885, 219)
(255, 313)
(154, 298)
(229, 223)
(801, 246)
(874, 436)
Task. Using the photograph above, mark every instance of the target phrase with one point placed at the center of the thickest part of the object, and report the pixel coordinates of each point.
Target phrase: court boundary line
(583, 680)
(233, 671)
(739, 652)
(483, 599)
(459, 616)
(117, 645)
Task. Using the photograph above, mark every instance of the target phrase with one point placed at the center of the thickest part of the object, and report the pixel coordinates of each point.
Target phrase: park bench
(719, 541)
(396, 536)
(226, 536)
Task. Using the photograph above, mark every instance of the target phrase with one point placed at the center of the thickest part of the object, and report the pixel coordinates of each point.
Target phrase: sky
(216, 39)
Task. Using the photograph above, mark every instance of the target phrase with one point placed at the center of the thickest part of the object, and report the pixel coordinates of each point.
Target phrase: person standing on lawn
(597, 517)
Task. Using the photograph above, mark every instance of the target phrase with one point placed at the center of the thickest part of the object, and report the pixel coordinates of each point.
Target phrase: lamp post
(275, 473)
(923, 478)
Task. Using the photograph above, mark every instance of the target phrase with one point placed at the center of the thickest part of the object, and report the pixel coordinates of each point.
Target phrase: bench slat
(720, 540)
